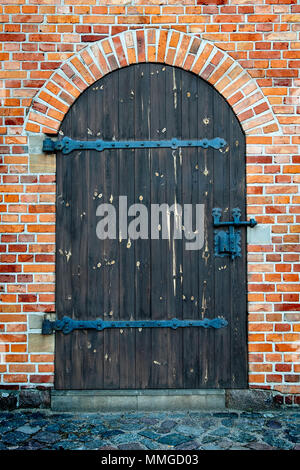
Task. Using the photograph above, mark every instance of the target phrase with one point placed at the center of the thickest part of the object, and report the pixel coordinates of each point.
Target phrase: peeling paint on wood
(222, 267)
(174, 90)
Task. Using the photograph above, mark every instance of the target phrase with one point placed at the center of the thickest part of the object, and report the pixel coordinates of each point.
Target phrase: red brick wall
(51, 51)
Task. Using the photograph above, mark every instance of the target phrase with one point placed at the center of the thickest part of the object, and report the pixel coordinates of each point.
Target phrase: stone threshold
(235, 399)
(137, 400)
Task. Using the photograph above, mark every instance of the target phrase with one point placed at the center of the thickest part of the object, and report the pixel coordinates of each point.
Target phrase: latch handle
(236, 222)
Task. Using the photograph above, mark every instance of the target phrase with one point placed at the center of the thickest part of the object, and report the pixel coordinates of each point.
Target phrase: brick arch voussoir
(165, 46)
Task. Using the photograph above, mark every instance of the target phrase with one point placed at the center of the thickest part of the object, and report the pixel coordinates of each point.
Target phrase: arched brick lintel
(151, 45)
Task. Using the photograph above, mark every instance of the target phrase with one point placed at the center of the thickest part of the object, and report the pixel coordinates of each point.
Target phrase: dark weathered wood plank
(174, 254)
(238, 283)
(93, 372)
(158, 247)
(110, 246)
(190, 257)
(63, 286)
(126, 109)
(143, 174)
(206, 299)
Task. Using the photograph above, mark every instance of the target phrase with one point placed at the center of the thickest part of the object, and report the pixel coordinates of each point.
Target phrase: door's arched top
(151, 45)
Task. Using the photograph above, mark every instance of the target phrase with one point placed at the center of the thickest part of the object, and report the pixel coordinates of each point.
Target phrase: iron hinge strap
(67, 324)
(67, 145)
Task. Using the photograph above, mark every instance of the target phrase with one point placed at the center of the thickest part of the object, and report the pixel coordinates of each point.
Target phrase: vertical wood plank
(190, 196)
(126, 98)
(173, 179)
(110, 246)
(238, 284)
(143, 174)
(206, 260)
(158, 247)
(63, 286)
(91, 184)
(222, 266)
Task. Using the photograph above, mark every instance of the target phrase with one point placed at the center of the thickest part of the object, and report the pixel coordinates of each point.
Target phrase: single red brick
(41, 379)
(274, 378)
(27, 298)
(92, 37)
(283, 368)
(15, 378)
(292, 378)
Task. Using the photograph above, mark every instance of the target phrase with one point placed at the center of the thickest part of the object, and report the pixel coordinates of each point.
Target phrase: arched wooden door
(149, 279)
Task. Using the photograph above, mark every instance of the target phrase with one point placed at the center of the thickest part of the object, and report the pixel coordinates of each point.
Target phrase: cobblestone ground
(234, 430)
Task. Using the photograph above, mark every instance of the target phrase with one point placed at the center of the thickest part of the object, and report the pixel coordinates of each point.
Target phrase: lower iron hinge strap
(67, 324)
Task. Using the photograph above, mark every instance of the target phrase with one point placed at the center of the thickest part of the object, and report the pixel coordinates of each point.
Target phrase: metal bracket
(229, 242)
(67, 324)
(67, 145)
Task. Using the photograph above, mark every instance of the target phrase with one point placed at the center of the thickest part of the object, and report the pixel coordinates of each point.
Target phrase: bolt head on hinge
(48, 145)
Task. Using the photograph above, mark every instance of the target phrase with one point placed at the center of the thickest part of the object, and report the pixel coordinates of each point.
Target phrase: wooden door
(148, 279)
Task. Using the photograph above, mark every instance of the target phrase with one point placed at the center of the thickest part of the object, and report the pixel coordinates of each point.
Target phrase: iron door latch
(228, 243)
